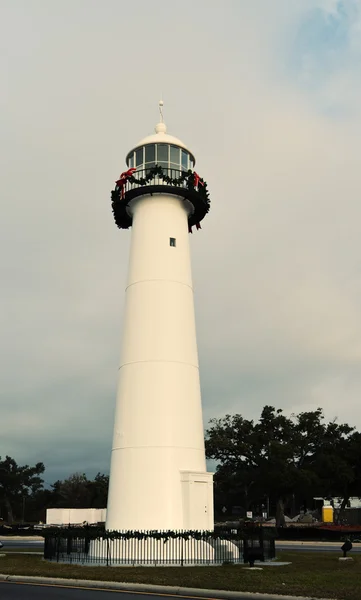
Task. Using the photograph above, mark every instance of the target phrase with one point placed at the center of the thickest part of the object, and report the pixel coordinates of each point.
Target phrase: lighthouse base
(172, 552)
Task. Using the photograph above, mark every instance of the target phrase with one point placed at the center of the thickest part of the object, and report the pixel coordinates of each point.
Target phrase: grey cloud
(276, 265)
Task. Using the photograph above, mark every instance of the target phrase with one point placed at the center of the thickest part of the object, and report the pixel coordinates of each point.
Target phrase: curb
(306, 543)
(21, 538)
(150, 589)
(8, 552)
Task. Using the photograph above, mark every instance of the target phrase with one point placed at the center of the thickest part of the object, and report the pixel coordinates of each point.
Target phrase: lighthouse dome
(161, 135)
(162, 149)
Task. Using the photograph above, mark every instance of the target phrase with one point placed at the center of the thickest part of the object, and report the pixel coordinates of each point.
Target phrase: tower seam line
(163, 280)
(173, 447)
(159, 360)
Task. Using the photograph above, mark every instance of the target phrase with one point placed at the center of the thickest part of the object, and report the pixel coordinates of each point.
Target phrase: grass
(320, 575)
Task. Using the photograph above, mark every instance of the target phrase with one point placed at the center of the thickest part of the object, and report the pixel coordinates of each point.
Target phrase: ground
(319, 575)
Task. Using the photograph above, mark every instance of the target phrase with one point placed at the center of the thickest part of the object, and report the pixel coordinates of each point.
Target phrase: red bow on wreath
(198, 225)
(123, 179)
(197, 180)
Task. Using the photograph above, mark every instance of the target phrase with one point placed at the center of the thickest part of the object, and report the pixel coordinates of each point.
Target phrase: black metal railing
(154, 548)
(158, 179)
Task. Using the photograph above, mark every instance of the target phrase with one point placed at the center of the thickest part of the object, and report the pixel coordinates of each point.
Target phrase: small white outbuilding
(75, 516)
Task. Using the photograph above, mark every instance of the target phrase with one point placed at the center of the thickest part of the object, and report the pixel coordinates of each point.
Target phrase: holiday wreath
(189, 185)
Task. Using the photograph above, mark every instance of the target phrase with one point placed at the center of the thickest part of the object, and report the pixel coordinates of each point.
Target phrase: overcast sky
(267, 94)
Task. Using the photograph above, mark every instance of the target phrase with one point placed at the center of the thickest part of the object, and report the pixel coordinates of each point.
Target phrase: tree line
(23, 497)
(283, 462)
(279, 463)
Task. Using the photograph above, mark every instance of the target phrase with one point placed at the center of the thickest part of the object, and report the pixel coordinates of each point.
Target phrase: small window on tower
(172, 242)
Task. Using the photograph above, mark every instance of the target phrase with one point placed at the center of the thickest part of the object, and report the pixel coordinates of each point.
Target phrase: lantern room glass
(167, 156)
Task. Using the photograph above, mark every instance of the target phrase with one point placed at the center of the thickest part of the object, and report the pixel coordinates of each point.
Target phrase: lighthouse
(158, 476)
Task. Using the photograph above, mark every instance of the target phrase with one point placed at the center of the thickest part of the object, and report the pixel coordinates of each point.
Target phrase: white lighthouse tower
(158, 478)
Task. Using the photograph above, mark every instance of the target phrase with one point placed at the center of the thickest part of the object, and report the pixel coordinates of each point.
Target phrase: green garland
(100, 533)
(157, 171)
(96, 532)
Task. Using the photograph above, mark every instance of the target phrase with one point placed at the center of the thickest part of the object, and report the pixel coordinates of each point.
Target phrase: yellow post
(327, 514)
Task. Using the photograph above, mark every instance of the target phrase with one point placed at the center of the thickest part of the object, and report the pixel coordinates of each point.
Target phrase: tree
(72, 492)
(98, 491)
(339, 463)
(278, 457)
(16, 483)
(77, 491)
(232, 442)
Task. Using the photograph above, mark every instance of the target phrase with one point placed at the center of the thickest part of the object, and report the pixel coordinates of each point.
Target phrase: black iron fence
(155, 548)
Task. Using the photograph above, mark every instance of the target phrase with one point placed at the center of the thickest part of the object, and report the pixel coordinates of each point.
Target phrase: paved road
(8, 543)
(20, 591)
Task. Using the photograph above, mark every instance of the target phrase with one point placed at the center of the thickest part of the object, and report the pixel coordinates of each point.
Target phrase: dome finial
(161, 104)
(161, 127)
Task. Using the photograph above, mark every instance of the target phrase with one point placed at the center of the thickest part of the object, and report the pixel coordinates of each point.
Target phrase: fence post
(108, 551)
(261, 539)
(69, 544)
(46, 550)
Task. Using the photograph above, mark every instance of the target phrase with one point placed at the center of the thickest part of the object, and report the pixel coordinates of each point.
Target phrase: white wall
(158, 430)
(74, 516)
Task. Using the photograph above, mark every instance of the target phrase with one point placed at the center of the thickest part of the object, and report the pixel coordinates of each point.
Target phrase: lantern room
(160, 164)
(160, 149)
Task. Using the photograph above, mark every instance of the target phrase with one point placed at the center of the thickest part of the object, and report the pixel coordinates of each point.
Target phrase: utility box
(327, 514)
